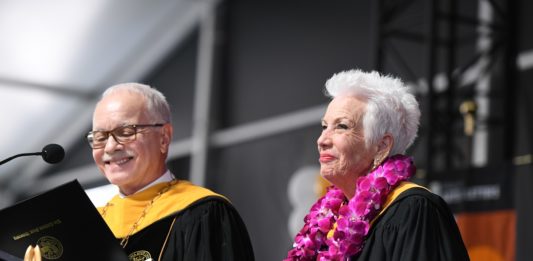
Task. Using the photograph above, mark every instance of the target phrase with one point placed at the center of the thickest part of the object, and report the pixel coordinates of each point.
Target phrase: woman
(372, 212)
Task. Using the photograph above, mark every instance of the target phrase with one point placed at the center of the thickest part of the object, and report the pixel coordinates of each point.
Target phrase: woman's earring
(375, 164)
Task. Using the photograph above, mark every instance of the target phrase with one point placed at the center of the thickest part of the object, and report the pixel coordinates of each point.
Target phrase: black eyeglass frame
(135, 127)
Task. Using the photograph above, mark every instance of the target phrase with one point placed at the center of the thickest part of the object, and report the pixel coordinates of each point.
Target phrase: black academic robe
(208, 229)
(178, 221)
(418, 225)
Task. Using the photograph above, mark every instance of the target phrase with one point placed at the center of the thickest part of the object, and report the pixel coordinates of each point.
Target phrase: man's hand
(33, 253)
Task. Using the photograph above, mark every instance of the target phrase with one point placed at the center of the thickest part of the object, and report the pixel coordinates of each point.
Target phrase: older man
(156, 216)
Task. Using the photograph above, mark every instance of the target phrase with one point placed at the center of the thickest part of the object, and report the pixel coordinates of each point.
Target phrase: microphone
(51, 153)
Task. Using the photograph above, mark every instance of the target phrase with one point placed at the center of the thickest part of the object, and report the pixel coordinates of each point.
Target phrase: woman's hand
(33, 253)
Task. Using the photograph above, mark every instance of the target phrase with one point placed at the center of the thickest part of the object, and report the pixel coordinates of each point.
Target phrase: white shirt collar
(166, 177)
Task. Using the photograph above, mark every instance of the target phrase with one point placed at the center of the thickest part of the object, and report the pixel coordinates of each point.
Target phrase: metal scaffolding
(454, 53)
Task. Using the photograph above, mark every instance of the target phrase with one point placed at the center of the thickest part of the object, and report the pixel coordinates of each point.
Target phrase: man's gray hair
(156, 103)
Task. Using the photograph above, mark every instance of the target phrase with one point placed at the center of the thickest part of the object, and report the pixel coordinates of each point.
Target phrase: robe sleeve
(417, 226)
(210, 229)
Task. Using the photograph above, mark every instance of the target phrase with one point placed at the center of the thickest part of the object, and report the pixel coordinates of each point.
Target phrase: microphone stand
(22, 154)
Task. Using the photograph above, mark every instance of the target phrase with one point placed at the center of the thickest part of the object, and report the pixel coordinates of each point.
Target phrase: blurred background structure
(245, 82)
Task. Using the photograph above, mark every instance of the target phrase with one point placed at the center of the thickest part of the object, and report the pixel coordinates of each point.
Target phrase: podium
(63, 222)
(8, 257)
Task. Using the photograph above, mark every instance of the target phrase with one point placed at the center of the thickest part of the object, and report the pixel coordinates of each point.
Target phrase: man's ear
(166, 137)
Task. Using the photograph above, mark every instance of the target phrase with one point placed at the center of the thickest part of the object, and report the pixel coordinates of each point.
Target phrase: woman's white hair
(156, 103)
(391, 107)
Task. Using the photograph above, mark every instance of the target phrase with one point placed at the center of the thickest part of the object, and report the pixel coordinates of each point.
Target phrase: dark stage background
(271, 60)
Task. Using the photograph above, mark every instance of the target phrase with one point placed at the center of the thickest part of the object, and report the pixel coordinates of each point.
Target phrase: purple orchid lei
(351, 221)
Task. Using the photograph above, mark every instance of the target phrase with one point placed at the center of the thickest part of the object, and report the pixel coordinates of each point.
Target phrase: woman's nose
(324, 139)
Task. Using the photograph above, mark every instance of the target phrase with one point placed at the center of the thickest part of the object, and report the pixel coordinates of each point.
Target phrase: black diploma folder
(65, 224)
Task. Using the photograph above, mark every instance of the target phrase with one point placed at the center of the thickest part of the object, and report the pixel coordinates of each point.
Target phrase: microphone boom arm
(19, 155)
(51, 153)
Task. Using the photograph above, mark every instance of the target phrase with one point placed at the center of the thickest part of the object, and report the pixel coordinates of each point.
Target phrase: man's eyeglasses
(122, 135)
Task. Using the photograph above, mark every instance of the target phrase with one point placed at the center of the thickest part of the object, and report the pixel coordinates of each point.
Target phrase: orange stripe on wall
(489, 236)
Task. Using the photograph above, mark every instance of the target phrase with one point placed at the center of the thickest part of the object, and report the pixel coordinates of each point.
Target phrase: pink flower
(353, 219)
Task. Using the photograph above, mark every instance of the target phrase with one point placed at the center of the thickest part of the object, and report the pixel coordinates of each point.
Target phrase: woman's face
(343, 154)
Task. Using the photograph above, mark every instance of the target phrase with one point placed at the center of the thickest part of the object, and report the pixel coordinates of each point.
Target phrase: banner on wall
(482, 202)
